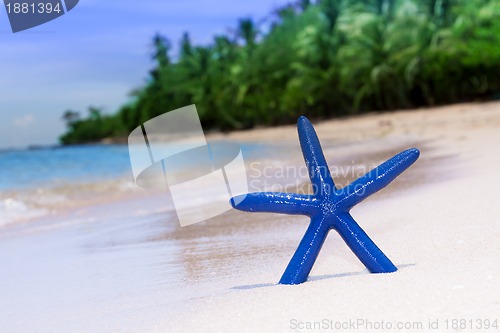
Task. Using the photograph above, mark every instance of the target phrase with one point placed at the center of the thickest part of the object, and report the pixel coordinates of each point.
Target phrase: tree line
(324, 58)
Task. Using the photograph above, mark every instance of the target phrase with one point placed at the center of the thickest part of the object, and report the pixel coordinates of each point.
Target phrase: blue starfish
(328, 207)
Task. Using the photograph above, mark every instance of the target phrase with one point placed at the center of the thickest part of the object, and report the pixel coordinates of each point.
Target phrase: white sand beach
(125, 265)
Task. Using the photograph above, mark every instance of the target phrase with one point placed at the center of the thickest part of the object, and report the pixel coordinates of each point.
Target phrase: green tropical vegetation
(325, 58)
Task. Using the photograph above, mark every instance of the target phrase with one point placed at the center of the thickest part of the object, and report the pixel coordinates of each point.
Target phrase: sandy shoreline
(126, 266)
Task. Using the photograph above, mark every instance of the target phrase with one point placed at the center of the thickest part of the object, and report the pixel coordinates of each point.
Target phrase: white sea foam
(12, 210)
(27, 204)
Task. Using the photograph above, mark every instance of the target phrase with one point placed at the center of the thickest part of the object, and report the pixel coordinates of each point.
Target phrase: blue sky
(95, 55)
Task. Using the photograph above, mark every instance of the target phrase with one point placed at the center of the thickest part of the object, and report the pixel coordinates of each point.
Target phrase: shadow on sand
(314, 278)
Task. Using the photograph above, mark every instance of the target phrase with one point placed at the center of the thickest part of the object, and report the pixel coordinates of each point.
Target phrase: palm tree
(331, 9)
(185, 46)
(70, 117)
(161, 47)
(247, 31)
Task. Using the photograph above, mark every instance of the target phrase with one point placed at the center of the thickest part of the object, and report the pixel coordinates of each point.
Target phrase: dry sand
(127, 267)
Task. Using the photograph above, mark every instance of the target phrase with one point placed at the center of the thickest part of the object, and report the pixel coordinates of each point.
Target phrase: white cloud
(24, 121)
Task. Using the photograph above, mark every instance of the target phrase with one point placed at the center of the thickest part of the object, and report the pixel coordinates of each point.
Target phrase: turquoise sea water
(22, 169)
(35, 182)
(38, 182)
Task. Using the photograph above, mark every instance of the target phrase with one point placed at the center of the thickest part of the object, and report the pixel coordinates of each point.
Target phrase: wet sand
(125, 265)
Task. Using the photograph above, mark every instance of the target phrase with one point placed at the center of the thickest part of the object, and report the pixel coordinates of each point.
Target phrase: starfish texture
(328, 207)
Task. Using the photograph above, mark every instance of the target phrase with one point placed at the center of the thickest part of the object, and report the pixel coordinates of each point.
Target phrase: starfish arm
(362, 246)
(377, 178)
(315, 160)
(304, 257)
(276, 202)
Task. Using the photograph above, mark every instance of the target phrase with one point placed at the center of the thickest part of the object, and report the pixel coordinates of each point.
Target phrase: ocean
(35, 182)
(24, 169)
(38, 182)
